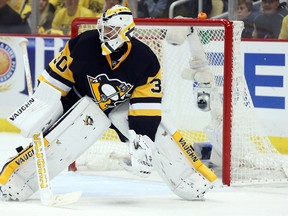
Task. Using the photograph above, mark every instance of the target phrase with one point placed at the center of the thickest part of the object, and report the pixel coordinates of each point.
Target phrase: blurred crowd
(269, 19)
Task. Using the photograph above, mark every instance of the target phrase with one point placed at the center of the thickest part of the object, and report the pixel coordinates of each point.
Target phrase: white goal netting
(249, 156)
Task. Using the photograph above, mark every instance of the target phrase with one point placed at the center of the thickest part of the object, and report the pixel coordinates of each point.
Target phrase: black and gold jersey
(131, 73)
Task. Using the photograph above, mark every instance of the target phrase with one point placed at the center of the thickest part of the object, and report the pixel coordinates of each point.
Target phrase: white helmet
(115, 26)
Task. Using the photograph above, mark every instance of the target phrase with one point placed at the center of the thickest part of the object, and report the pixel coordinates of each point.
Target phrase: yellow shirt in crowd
(21, 7)
(284, 29)
(62, 20)
(96, 6)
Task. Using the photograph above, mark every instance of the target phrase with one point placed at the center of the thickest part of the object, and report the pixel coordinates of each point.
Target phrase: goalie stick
(46, 195)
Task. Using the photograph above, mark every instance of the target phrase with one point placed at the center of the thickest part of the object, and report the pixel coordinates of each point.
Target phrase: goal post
(247, 154)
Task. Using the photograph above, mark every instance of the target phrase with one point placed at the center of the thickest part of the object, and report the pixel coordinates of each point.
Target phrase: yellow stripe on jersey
(42, 79)
(141, 112)
(16, 162)
(60, 64)
(152, 88)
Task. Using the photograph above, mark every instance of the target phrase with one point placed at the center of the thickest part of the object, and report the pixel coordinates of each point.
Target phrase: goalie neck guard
(115, 27)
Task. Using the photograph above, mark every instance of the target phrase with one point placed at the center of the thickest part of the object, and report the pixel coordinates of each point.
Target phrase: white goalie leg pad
(195, 46)
(79, 128)
(39, 112)
(198, 70)
(173, 165)
(176, 35)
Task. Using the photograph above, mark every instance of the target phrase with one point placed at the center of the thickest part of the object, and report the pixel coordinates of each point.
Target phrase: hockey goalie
(103, 78)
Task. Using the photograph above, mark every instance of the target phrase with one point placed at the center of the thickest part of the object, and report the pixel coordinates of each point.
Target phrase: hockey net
(248, 155)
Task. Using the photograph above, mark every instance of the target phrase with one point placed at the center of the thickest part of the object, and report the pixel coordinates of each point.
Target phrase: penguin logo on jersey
(108, 92)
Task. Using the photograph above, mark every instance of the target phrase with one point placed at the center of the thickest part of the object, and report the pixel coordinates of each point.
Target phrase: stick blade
(64, 199)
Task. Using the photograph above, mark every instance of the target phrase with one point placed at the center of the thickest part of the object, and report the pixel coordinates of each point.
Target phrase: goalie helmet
(115, 27)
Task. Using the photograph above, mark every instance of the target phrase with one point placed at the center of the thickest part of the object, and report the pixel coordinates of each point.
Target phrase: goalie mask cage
(248, 155)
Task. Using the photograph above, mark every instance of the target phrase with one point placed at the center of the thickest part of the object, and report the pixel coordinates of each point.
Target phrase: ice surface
(120, 193)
